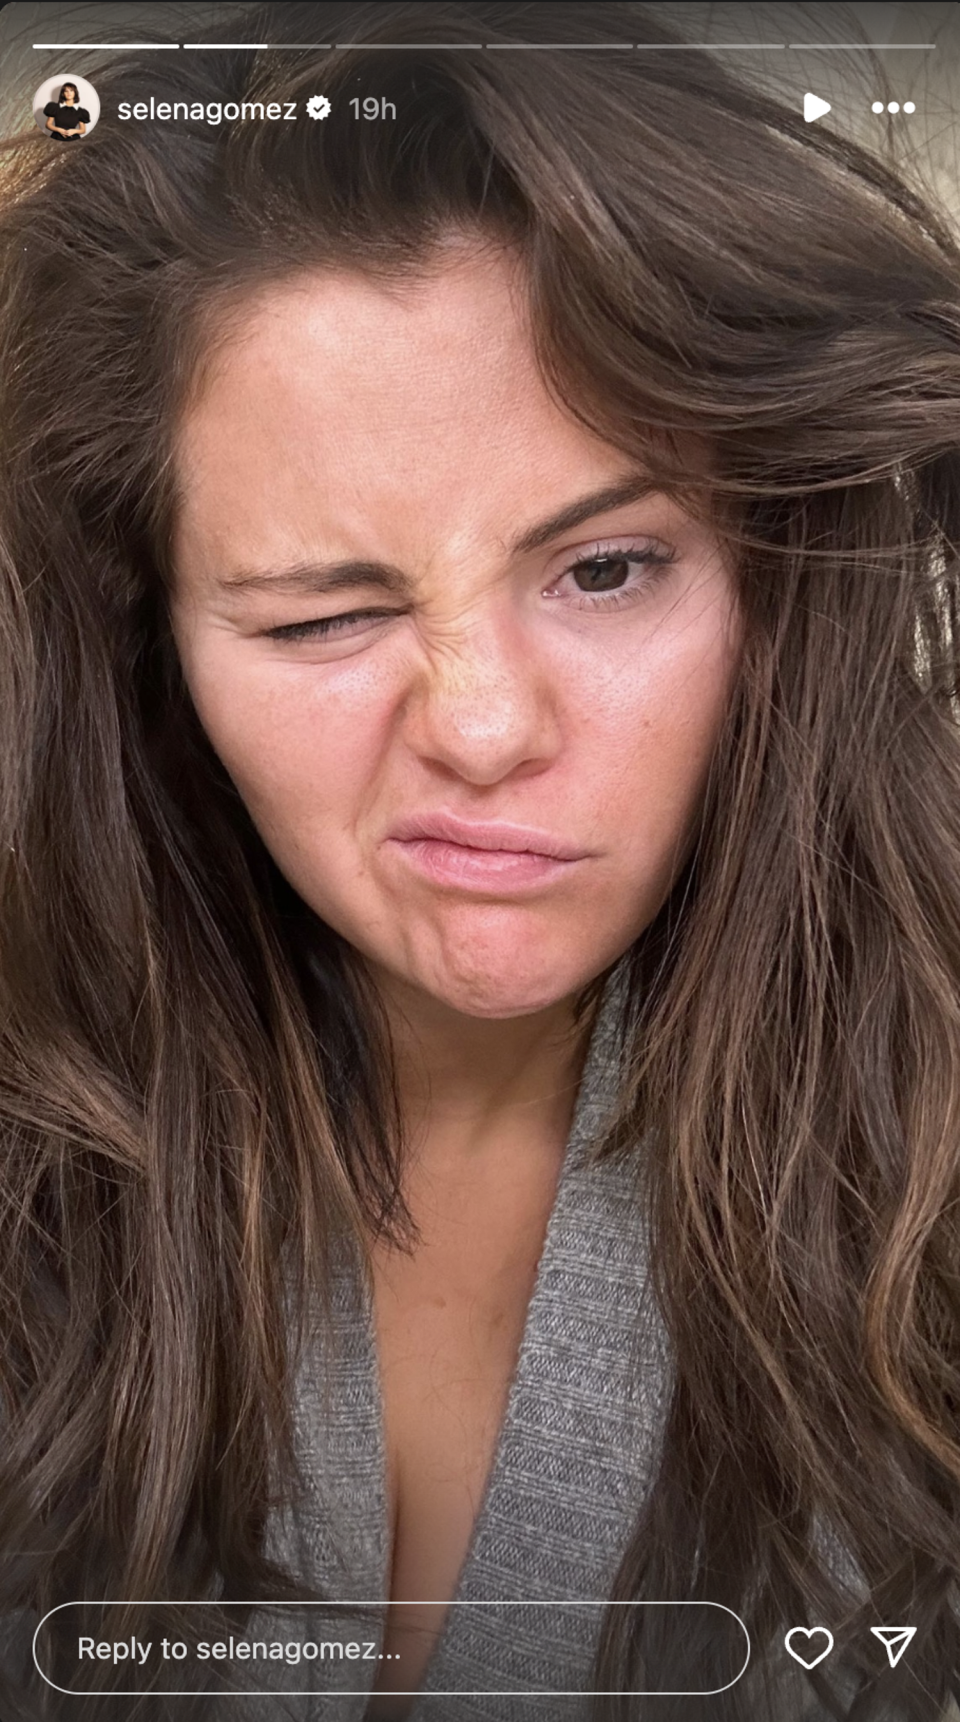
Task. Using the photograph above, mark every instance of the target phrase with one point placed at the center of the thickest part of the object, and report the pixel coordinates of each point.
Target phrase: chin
(501, 991)
(495, 964)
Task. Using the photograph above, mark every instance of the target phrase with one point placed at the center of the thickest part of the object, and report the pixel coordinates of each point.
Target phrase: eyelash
(656, 561)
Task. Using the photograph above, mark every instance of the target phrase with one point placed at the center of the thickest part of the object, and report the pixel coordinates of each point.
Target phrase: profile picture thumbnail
(66, 108)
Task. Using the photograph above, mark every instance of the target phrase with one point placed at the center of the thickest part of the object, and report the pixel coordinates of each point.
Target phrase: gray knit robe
(574, 1461)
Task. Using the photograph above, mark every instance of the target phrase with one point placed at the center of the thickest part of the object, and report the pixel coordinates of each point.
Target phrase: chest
(450, 1319)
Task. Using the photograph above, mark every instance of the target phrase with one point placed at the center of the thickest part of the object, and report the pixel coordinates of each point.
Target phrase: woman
(481, 823)
(66, 119)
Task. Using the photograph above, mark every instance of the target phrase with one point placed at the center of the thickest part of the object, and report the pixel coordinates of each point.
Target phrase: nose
(484, 706)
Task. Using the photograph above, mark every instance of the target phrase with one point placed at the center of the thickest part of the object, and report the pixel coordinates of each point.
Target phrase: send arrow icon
(894, 1639)
(814, 107)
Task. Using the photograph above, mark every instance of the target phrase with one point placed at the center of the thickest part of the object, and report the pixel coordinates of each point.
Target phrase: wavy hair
(196, 1098)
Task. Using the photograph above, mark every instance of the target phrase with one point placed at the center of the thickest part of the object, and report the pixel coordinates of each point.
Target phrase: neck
(465, 1082)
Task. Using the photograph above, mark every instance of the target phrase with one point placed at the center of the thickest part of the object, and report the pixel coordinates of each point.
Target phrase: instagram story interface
(480, 861)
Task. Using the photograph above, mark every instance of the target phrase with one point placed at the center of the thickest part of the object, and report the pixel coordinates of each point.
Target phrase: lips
(488, 836)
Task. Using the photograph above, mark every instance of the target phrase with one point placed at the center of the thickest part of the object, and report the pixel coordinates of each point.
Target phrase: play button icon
(814, 107)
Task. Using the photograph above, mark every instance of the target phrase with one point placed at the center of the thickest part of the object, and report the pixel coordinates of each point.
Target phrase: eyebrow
(319, 578)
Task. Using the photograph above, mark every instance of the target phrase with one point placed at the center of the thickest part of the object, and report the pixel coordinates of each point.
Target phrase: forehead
(337, 401)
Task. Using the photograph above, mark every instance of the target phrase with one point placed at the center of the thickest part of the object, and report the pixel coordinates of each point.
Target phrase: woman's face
(465, 674)
(69, 95)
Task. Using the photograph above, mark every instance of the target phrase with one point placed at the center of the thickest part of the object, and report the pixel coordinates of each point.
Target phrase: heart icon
(802, 1643)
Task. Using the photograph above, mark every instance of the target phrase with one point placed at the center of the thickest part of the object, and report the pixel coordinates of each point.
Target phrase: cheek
(302, 746)
(648, 730)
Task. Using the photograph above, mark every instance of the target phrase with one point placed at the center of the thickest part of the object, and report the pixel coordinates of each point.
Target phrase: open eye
(615, 571)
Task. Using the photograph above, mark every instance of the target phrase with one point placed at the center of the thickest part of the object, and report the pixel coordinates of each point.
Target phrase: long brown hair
(195, 1091)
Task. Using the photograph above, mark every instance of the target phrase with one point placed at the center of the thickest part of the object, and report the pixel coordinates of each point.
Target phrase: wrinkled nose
(484, 707)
